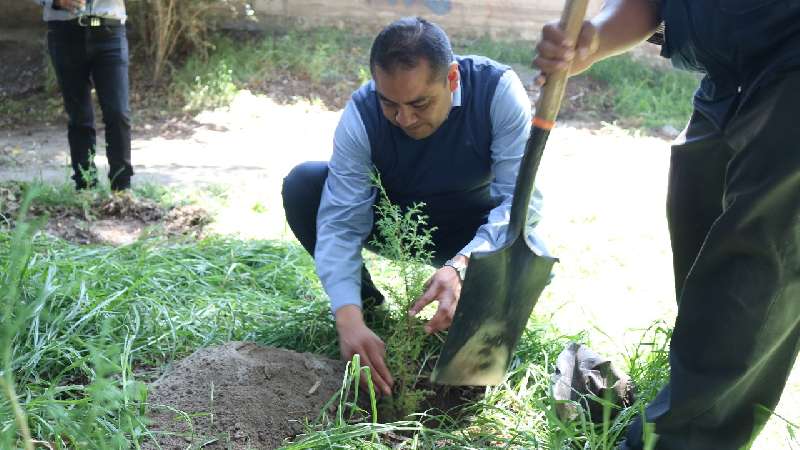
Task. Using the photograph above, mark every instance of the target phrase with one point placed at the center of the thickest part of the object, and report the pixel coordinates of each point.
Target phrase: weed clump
(404, 237)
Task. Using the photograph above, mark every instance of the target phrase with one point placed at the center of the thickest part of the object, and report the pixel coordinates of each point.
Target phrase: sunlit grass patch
(646, 96)
(314, 56)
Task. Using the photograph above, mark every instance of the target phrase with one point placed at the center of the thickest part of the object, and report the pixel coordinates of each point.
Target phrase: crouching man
(441, 129)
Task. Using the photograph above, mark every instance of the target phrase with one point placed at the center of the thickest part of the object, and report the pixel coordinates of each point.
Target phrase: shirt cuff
(477, 244)
(343, 294)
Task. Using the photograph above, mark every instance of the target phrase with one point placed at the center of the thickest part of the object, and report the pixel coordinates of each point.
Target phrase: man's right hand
(69, 5)
(618, 26)
(555, 53)
(355, 337)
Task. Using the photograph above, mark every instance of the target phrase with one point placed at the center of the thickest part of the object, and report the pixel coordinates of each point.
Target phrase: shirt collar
(456, 95)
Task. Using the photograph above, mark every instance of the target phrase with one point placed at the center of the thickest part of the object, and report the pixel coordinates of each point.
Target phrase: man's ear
(452, 77)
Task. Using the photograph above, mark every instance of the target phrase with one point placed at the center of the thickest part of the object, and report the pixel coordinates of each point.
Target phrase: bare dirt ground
(116, 220)
(240, 396)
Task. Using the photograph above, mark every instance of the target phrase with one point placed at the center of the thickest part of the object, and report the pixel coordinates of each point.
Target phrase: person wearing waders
(441, 129)
(88, 48)
(733, 207)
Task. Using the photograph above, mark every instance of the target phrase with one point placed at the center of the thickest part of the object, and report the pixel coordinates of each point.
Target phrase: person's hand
(555, 53)
(444, 286)
(355, 337)
(69, 5)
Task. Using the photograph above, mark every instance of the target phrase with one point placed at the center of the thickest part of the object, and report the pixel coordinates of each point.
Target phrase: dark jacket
(741, 45)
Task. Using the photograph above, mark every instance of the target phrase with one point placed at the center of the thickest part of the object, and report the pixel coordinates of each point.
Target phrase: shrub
(167, 27)
(404, 237)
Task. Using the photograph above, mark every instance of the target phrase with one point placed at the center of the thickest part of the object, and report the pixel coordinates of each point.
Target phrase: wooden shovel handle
(550, 99)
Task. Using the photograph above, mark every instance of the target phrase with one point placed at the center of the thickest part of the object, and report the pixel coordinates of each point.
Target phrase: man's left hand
(444, 286)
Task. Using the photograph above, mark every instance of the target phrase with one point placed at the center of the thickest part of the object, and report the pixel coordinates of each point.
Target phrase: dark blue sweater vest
(451, 170)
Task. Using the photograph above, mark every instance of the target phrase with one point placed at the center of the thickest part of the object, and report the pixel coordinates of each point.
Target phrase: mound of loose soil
(115, 220)
(240, 396)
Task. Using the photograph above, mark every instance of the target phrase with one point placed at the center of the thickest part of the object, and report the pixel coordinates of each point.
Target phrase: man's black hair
(407, 41)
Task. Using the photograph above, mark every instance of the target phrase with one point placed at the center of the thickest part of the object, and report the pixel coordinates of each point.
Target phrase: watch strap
(458, 266)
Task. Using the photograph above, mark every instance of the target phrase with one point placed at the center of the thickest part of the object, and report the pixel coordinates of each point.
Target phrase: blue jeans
(84, 57)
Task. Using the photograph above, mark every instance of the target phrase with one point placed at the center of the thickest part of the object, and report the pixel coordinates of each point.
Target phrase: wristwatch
(458, 266)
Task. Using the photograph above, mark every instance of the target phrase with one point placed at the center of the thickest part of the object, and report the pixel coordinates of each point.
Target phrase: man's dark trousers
(302, 190)
(734, 218)
(94, 56)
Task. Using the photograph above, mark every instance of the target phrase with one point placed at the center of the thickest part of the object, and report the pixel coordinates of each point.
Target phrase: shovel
(501, 287)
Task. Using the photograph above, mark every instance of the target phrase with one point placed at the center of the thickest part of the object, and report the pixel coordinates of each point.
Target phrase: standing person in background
(733, 208)
(88, 47)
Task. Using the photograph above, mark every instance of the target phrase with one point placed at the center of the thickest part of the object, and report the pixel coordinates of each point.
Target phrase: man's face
(414, 99)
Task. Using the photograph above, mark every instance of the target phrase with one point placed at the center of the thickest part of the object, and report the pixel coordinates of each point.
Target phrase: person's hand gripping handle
(553, 90)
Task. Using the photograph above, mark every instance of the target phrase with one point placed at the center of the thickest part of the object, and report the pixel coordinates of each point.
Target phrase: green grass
(85, 326)
(641, 96)
(519, 52)
(644, 96)
(313, 56)
(77, 320)
(62, 196)
(516, 414)
(330, 61)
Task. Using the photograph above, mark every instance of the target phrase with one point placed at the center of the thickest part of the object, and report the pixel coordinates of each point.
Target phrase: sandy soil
(240, 396)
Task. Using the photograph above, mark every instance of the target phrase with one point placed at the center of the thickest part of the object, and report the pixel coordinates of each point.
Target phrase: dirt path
(243, 153)
(604, 190)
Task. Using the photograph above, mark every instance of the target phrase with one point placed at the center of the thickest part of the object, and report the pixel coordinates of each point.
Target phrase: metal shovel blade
(501, 287)
(498, 295)
(497, 299)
